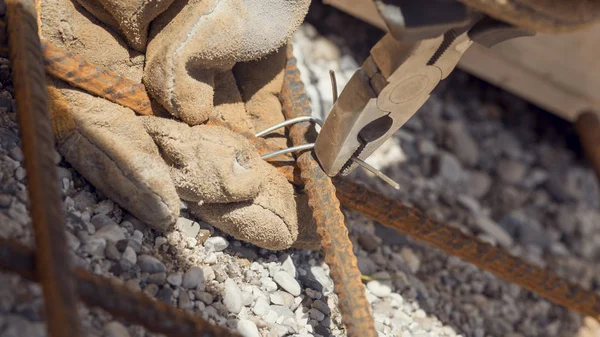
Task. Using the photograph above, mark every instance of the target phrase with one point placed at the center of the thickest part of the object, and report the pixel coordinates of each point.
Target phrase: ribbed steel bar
(326, 211)
(82, 73)
(115, 298)
(42, 180)
(451, 240)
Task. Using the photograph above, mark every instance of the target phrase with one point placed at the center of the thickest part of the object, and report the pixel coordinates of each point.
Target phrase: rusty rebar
(115, 298)
(82, 73)
(451, 240)
(588, 129)
(42, 178)
(326, 211)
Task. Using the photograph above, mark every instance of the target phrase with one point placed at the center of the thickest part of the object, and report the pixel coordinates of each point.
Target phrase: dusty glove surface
(105, 142)
(131, 17)
(192, 41)
(268, 221)
(208, 164)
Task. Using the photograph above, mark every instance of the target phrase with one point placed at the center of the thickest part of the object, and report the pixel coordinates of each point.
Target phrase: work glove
(147, 164)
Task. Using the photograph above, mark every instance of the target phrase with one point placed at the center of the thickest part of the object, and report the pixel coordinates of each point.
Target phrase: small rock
(287, 282)
(72, 241)
(84, 200)
(150, 264)
(157, 278)
(102, 220)
(366, 265)
(192, 278)
(368, 242)
(151, 290)
(129, 259)
(411, 259)
(426, 147)
(175, 279)
(104, 207)
(233, 297)
(112, 252)
(478, 184)
(282, 298)
(94, 247)
(205, 297)
(111, 233)
(247, 328)
(188, 227)
(261, 307)
(184, 302)
(209, 274)
(268, 284)
(379, 289)
(449, 168)
(133, 285)
(216, 244)
(322, 306)
(16, 153)
(20, 173)
(490, 227)
(316, 314)
(288, 265)
(115, 329)
(511, 171)
(459, 140)
(282, 312)
(469, 203)
(203, 235)
(165, 295)
(318, 279)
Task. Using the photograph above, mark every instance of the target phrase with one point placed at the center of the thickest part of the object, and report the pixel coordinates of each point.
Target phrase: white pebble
(288, 283)
(261, 307)
(247, 328)
(233, 297)
(379, 289)
(216, 244)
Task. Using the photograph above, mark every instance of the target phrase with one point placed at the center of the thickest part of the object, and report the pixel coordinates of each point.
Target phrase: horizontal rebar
(115, 298)
(452, 241)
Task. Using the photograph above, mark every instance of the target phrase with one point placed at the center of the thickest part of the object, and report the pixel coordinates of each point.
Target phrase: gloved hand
(195, 40)
(146, 164)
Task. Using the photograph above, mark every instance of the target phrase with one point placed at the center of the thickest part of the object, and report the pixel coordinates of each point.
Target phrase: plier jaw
(391, 86)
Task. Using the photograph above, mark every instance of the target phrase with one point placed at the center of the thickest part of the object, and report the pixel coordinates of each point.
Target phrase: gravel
(474, 157)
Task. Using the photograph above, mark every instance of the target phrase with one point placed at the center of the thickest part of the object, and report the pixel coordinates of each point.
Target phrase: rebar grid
(326, 211)
(353, 196)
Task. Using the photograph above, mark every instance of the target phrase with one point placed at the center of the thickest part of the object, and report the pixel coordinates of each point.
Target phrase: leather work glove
(149, 164)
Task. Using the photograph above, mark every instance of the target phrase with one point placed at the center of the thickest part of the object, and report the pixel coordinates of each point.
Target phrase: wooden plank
(557, 72)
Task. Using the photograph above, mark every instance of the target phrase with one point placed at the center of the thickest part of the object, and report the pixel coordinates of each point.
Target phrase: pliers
(425, 42)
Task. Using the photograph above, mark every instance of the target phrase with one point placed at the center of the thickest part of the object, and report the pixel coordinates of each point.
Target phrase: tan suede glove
(146, 164)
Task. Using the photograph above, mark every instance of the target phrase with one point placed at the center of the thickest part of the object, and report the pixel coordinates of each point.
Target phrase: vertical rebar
(42, 179)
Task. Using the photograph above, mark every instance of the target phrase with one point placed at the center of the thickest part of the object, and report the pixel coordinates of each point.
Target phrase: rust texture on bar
(115, 298)
(42, 180)
(326, 211)
(451, 240)
(588, 129)
(81, 73)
